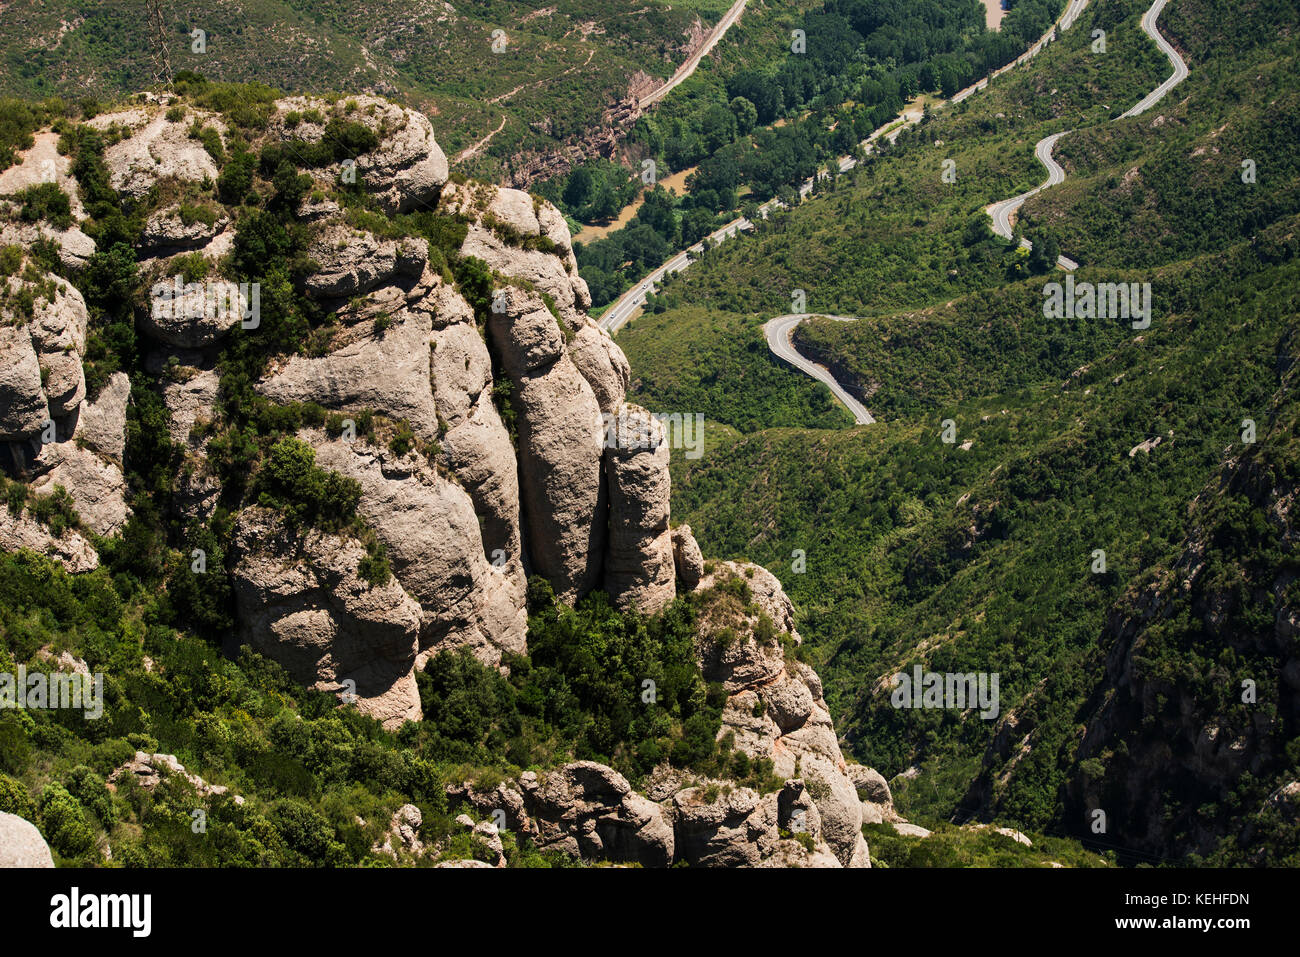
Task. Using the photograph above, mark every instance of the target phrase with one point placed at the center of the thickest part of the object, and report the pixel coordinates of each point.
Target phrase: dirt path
(481, 145)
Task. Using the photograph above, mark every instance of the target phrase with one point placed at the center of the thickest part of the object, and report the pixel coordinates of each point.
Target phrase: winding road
(1180, 67)
(626, 306)
(1002, 213)
(779, 332)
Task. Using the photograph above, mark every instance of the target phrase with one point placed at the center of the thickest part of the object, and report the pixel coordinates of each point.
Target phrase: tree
(717, 127)
(761, 90)
(745, 113)
(657, 212)
(604, 202)
(697, 224)
(578, 191)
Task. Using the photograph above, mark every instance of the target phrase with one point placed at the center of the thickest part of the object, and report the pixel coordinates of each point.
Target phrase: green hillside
(980, 557)
(562, 65)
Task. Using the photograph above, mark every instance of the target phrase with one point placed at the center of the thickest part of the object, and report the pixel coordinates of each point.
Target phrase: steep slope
(521, 91)
(975, 549)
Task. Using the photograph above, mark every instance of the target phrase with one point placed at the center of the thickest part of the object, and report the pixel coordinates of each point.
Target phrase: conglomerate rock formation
(524, 458)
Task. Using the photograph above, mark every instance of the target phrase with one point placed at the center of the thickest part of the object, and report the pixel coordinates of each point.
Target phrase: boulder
(403, 833)
(194, 315)
(486, 838)
(351, 261)
(167, 233)
(149, 770)
(871, 785)
(21, 844)
(502, 804)
(589, 810)
(23, 408)
(687, 557)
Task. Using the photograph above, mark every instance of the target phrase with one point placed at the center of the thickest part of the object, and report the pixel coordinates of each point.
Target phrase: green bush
(14, 798)
(45, 201)
(63, 822)
(292, 482)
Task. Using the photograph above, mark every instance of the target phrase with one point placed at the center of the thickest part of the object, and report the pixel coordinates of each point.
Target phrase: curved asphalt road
(633, 299)
(1002, 212)
(1180, 68)
(778, 332)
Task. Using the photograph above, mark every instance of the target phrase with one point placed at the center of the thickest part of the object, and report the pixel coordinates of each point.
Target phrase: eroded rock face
(639, 568)
(195, 315)
(167, 233)
(407, 169)
(43, 163)
(384, 371)
(431, 532)
(40, 355)
(84, 458)
(156, 149)
(560, 444)
(501, 219)
(602, 364)
(588, 810)
(72, 550)
(97, 486)
(775, 707)
(353, 261)
(301, 601)
(23, 406)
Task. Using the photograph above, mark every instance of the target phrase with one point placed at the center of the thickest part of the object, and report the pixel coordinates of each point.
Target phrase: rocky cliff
(479, 418)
